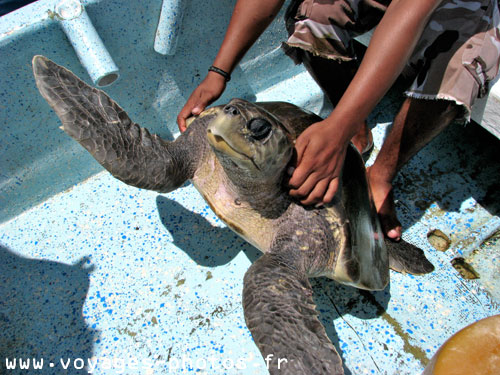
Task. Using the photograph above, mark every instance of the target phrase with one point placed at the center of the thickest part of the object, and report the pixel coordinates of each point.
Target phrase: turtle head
(250, 138)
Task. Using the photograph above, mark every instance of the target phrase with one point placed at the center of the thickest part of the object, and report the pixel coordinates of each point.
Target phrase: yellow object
(474, 350)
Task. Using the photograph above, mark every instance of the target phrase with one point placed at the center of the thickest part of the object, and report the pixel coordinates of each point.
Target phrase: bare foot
(383, 197)
(363, 140)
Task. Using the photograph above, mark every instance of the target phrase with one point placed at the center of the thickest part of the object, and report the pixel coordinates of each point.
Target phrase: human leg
(333, 76)
(451, 66)
(454, 60)
(321, 37)
(415, 125)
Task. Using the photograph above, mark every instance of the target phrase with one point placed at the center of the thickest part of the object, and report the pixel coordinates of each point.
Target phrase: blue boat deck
(100, 277)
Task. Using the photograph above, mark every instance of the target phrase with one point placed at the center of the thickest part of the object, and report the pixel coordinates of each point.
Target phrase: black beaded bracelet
(226, 75)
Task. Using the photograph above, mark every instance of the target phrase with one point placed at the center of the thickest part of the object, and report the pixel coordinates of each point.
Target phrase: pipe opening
(107, 79)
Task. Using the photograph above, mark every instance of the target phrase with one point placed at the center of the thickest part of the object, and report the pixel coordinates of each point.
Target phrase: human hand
(205, 94)
(321, 150)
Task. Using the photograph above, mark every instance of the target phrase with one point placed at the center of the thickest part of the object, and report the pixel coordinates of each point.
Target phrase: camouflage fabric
(455, 59)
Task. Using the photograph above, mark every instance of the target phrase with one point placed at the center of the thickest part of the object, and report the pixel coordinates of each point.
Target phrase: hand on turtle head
(205, 94)
(320, 151)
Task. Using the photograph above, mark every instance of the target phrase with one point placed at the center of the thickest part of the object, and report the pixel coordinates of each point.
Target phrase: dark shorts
(455, 59)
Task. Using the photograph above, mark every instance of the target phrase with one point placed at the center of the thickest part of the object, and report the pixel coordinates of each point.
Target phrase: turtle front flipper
(129, 152)
(281, 315)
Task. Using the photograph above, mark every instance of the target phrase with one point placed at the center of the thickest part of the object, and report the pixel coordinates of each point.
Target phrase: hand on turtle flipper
(320, 155)
(383, 198)
(205, 94)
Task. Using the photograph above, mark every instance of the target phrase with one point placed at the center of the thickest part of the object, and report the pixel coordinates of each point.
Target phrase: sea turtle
(236, 155)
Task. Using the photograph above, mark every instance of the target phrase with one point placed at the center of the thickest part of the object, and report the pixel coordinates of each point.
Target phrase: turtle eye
(259, 128)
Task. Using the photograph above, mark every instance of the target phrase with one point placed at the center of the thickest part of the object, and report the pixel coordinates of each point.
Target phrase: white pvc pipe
(169, 25)
(87, 44)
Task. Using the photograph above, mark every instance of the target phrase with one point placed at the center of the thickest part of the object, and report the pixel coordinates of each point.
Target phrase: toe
(388, 219)
(392, 230)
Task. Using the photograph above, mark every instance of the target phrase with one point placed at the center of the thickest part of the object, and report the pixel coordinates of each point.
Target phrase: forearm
(249, 20)
(391, 45)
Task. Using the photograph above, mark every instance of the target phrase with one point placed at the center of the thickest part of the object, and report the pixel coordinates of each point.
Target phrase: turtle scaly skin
(236, 156)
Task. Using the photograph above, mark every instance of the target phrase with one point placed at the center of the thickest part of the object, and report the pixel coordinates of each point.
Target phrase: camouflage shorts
(455, 59)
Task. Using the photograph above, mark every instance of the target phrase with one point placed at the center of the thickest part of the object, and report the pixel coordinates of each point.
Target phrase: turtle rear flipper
(407, 258)
(364, 263)
(281, 315)
(128, 151)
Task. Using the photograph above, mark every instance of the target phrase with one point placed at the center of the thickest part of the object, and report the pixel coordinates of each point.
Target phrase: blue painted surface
(130, 281)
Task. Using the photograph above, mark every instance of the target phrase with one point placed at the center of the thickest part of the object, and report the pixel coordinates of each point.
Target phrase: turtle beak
(223, 134)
